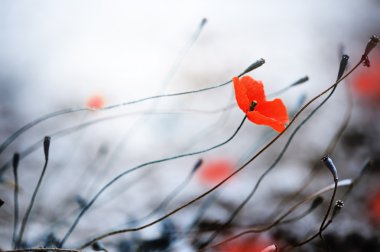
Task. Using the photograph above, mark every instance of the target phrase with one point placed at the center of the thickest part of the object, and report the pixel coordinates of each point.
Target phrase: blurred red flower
(367, 81)
(374, 207)
(214, 171)
(95, 102)
(251, 99)
(247, 245)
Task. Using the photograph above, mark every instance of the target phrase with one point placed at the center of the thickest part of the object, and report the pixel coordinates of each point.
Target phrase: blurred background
(78, 54)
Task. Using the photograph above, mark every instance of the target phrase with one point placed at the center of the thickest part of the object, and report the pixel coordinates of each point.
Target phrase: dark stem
(73, 129)
(328, 211)
(286, 248)
(330, 149)
(308, 239)
(230, 176)
(280, 218)
(26, 127)
(16, 158)
(29, 209)
(170, 197)
(279, 157)
(92, 201)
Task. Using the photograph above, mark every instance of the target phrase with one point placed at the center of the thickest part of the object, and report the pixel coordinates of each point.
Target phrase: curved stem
(329, 149)
(280, 218)
(41, 119)
(15, 198)
(64, 132)
(308, 239)
(328, 210)
(231, 175)
(350, 186)
(92, 201)
(273, 165)
(164, 203)
(29, 209)
(69, 130)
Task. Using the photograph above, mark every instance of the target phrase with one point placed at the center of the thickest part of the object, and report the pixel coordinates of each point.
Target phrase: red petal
(248, 90)
(241, 95)
(255, 89)
(260, 119)
(273, 109)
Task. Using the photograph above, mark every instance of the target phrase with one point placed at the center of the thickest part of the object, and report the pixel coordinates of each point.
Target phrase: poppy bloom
(95, 102)
(251, 99)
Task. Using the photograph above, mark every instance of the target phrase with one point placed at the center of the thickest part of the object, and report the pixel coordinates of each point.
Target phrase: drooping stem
(228, 177)
(30, 206)
(321, 228)
(280, 219)
(268, 170)
(97, 195)
(16, 158)
(41, 119)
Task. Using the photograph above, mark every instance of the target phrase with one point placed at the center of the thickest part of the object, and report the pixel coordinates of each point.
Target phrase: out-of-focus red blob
(367, 81)
(374, 206)
(95, 102)
(214, 171)
(248, 245)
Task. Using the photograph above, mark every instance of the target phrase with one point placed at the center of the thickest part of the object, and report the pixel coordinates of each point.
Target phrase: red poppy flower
(251, 99)
(95, 102)
(214, 171)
